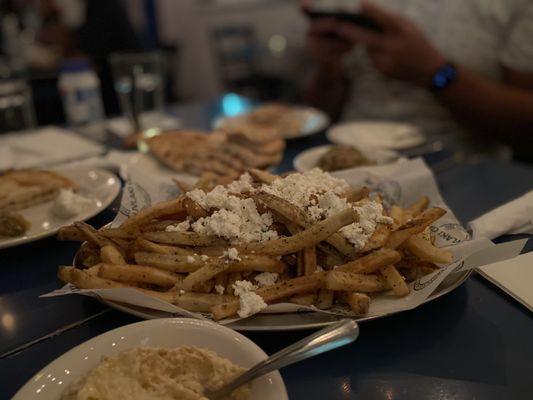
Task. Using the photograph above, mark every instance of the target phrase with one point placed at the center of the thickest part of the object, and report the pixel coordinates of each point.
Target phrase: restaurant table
(474, 343)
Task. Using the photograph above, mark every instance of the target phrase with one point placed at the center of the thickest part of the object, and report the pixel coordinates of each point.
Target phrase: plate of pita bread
(187, 155)
(285, 121)
(35, 203)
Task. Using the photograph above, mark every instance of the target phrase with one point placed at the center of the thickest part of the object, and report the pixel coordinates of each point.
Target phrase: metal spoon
(336, 335)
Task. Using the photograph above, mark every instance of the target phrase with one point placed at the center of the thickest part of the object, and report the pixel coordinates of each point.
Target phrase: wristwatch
(443, 78)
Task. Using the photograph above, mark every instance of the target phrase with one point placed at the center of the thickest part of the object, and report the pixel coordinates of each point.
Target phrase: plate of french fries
(269, 252)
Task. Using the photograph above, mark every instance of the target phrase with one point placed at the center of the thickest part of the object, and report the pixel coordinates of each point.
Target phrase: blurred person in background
(89, 28)
(445, 65)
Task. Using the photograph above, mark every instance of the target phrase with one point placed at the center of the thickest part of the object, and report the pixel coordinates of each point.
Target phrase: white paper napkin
(511, 218)
(44, 147)
(514, 276)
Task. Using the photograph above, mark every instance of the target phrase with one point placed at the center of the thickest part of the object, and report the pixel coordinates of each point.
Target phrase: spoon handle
(329, 338)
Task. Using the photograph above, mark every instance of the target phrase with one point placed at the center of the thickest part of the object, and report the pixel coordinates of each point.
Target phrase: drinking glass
(16, 106)
(139, 81)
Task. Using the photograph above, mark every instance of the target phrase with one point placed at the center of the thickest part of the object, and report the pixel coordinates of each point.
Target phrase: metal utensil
(336, 335)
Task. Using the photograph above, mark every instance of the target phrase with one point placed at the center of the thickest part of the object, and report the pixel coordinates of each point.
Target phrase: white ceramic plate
(377, 134)
(315, 121)
(51, 381)
(97, 184)
(308, 159)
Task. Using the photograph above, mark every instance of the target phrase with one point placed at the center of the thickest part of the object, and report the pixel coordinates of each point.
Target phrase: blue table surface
(475, 343)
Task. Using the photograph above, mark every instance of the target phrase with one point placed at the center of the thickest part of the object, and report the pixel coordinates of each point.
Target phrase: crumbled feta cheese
(301, 189)
(68, 204)
(232, 254)
(319, 269)
(220, 289)
(266, 278)
(204, 257)
(182, 291)
(181, 227)
(249, 302)
(243, 184)
(235, 219)
(240, 287)
(385, 220)
(190, 259)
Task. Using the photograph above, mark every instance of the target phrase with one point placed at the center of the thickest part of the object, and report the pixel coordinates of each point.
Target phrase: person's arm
(328, 85)
(491, 107)
(403, 52)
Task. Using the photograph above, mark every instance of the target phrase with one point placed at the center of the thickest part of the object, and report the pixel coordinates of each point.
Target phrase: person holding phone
(442, 64)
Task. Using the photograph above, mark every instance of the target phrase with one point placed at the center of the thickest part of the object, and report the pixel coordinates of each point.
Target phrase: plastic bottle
(80, 91)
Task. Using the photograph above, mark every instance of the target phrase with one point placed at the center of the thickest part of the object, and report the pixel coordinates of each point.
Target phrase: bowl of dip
(161, 355)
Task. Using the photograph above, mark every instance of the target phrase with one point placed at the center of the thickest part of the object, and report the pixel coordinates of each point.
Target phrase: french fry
(395, 280)
(205, 287)
(371, 262)
(396, 213)
(157, 225)
(377, 239)
(139, 273)
(190, 263)
(206, 272)
(201, 302)
(425, 251)
(416, 208)
(262, 176)
(309, 256)
(207, 181)
(358, 302)
(193, 209)
(232, 278)
(414, 226)
(183, 186)
(307, 299)
(347, 281)
(306, 238)
(294, 215)
(356, 194)
(120, 233)
(272, 293)
(324, 299)
(165, 208)
(110, 255)
(70, 233)
(94, 270)
(184, 239)
(92, 235)
(170, 262)
(146, 245)
(83, 280)
(221, 280)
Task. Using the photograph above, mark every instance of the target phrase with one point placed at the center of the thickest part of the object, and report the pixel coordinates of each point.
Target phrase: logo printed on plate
(448, 234)
(135, 199)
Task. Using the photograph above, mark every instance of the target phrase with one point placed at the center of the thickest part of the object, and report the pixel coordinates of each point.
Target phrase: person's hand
(325, 46)
(400, 51)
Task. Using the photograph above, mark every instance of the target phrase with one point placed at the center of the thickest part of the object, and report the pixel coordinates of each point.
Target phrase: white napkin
(122, 127)
(44, 147)
(514, 276)
(511, 218)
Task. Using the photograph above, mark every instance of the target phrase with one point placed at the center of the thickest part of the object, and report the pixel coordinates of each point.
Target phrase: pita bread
(23, 189)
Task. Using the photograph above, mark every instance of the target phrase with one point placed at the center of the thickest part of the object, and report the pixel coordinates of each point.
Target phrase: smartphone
(343, 10)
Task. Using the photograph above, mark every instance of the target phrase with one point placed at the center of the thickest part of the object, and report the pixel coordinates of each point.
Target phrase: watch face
(443, 77)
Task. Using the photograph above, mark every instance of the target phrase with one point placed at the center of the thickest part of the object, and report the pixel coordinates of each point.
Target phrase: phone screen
(344, 10)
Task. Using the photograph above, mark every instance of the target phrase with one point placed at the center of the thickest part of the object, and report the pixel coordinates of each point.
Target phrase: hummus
(148, 373)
